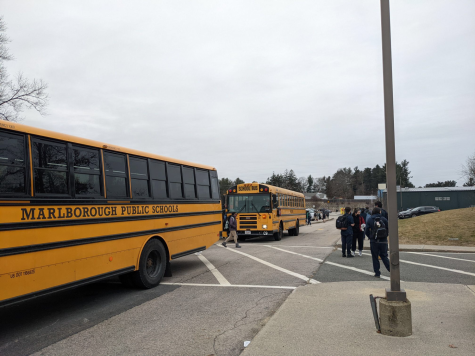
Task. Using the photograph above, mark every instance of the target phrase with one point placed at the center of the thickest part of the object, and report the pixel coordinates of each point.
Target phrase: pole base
(395, 318)
(396, 296)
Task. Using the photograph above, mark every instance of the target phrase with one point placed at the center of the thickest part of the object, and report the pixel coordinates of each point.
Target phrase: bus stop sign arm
(394, 293)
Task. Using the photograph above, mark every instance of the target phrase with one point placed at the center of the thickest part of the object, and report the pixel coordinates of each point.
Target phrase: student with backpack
(377, 231)
(345, 224)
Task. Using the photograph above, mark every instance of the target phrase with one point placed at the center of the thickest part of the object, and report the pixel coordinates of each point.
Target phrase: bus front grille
(247, 221)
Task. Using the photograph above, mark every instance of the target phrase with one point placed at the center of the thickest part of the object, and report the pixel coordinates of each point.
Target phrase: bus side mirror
(274, 201)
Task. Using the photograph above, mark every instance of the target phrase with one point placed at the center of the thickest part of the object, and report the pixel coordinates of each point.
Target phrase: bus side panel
(186, 240)
(36, 271)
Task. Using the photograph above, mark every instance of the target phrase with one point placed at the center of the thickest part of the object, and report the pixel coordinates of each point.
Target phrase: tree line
(344, 183)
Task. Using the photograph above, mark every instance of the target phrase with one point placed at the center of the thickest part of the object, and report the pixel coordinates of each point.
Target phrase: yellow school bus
(74, 211)
(264, 210)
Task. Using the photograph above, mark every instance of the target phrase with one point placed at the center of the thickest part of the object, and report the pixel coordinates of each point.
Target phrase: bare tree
(468, 171)
(18, 94)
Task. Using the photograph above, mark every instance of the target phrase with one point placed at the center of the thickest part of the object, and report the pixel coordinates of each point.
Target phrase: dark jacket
(384, 214)
(232, 223)
(358, 221)
(369, 226)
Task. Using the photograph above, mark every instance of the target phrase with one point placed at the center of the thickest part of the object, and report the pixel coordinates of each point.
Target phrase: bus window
(202, 183)
(116, 175)
(139, 177)
(174, 181)
(189, 183)
(214, 185)
(50, 167)
(12, 163)
(87, 172)
(159, 179)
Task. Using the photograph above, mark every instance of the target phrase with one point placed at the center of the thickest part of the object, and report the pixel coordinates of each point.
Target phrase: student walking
(232, 231)
(358, 232)
(345, 224)
(377, 232)
(309, 218)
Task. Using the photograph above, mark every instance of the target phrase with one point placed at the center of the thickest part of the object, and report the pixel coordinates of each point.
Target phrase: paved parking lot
(214, 302)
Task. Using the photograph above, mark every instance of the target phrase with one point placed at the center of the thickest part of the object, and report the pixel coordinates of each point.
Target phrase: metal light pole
(394, 293)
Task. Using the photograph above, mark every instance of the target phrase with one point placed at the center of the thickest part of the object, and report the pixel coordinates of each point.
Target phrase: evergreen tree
(447, 183)
(310, 182)
(238, 181)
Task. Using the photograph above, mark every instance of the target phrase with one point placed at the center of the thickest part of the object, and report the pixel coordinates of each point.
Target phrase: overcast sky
(252, 87)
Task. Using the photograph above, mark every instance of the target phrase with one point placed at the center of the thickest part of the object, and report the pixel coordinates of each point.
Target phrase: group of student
(318, 215)
(374, 224)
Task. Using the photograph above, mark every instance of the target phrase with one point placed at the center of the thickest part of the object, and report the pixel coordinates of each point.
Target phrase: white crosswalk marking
(431, 266)
(298, 275)
(452, 258)
(331, 263)
(223, 285)
(221, 279)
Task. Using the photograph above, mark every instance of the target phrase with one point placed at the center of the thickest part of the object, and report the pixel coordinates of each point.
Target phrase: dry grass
(437, 228)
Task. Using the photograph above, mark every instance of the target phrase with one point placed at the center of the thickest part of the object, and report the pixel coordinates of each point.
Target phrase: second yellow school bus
(265, 210)
(73, 211)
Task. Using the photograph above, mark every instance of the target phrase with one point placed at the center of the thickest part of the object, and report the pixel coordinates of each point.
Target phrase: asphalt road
(195, 312)
(214, 302)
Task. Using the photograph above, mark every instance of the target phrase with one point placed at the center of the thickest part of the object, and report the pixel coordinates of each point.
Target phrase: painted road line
(223, 285)
(301, 246)
(298, 275)
(332, 263)
(221, 279)
(431, 266)
(452, 258)
(295, 253)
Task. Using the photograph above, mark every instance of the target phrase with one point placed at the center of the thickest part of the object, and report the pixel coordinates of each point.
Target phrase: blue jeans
(346, 243)
(379, 249)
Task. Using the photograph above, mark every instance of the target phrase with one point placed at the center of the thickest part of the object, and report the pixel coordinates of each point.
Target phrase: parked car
(421, 210)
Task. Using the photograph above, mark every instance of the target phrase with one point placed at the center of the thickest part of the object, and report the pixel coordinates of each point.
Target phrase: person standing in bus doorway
(232, 230)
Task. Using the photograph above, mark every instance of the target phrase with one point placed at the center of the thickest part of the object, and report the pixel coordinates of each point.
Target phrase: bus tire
(152, 265)
(126, 280)
(297, 229)
(278, 235)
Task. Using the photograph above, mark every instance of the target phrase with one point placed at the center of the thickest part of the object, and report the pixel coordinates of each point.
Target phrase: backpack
(342, 222)
(379, 231)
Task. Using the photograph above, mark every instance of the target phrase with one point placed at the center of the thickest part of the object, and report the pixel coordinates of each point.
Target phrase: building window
(50, 167)
(12, 163)
(87, 172)
(139, 177)
(175, 182)
(203, 184)
(116, 175)
(158, 175)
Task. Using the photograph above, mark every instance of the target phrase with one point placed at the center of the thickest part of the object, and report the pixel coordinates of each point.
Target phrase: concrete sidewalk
(336, 319)
(428, 248)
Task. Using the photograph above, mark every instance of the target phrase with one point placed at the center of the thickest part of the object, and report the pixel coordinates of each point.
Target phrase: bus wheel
(278, 235)
(297, 229)
(152, 265)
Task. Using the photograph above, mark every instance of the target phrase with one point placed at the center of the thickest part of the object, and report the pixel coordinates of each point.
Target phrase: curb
(441, 249)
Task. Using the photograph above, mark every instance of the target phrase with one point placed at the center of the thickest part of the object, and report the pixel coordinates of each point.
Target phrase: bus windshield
(249, 203)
